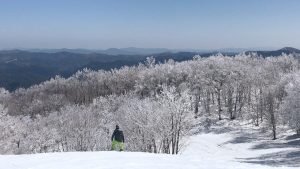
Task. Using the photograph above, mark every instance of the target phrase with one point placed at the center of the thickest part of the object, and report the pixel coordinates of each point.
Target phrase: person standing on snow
(117, 139)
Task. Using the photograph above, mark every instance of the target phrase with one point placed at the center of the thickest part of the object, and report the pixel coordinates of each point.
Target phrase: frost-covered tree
(290, 108)
(156, 124)
(179, 116)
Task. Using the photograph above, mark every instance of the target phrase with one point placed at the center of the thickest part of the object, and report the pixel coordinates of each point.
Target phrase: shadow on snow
(290, 158)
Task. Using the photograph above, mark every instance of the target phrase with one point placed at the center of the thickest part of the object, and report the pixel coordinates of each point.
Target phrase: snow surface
(225, 150)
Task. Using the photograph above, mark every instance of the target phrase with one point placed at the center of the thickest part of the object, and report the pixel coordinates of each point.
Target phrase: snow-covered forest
(156, 104)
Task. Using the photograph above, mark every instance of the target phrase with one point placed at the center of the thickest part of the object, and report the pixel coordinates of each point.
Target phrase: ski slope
(207, 151)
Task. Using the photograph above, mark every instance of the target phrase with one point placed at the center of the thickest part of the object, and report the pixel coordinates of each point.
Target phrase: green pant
(117, 145)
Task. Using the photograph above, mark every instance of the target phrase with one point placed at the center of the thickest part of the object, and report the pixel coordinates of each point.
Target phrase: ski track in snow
(204, 151)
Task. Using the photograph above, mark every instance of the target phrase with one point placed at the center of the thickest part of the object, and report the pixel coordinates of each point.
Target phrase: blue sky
(199, 24)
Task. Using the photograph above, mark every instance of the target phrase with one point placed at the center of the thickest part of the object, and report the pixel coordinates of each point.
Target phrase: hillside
(214, 150)
(235, 112)
(20, 68)
(23, 69)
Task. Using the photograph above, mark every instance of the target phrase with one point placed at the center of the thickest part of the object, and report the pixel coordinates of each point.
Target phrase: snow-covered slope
(207, 151)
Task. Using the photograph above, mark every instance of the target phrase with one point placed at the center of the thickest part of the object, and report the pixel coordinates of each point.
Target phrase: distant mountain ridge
(286, 50)
(110, 51)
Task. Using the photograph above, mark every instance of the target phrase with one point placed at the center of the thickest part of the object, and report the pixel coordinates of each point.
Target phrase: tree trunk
(196, 110)
(272, 114)
(219, 103)
(207, 105)
(236, 102)
(230, 103)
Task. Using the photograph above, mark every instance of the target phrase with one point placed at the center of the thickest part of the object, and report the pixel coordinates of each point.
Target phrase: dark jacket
(118, 136)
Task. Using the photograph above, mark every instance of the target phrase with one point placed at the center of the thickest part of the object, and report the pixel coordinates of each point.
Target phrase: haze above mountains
(138, 51)
(26, 67)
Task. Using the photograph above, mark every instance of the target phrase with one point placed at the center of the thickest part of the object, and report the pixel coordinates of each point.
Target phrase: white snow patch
(205, 151)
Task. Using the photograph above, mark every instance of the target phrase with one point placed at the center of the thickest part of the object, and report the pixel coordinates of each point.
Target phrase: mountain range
(286, 50)
(110, 51)
(24, 68)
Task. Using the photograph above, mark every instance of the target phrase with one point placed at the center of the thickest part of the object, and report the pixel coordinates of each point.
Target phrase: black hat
(117, 127)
